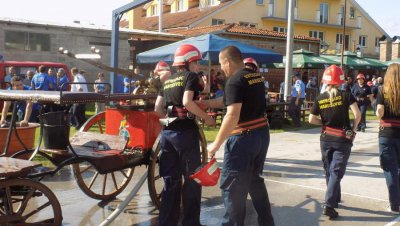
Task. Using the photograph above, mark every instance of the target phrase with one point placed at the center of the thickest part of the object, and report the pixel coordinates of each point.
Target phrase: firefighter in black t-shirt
(180, 150)
(337, 135)
(362, 92)
(388, 111)
(246, 130)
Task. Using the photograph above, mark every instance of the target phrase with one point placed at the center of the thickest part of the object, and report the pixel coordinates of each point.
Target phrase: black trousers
(78, 115)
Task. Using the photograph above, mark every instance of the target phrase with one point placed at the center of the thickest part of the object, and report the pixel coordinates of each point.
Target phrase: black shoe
(358, 129)
(330, 212)
(363, 130)
(394, 209)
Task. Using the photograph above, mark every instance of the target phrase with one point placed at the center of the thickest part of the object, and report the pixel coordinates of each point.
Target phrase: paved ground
(295, 182)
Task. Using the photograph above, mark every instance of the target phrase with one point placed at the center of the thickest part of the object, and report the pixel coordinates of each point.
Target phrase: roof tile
(236, 28)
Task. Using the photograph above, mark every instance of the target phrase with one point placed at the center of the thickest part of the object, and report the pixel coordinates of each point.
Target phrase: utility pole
(160, 15)
(344, 34)
(289, 49)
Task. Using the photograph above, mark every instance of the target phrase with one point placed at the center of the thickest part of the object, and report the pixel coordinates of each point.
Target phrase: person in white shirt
(78, 110)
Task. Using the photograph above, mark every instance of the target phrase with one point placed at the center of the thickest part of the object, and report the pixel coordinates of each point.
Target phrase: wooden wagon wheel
(27, 202)
(90, 181)
(155, 182)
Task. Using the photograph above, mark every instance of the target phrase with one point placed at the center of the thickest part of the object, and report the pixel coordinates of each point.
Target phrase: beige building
(39, 41)
(313, 18)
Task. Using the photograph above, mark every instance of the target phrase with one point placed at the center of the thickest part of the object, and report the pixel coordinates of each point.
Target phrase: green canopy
(352, 61)
(395, 61)
(307, 60)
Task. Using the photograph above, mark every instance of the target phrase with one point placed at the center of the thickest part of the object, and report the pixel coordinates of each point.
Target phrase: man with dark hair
(24, 110)
(246, 128)
(41, 81)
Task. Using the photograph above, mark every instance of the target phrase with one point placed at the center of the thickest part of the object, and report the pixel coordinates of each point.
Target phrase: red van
(23, 66)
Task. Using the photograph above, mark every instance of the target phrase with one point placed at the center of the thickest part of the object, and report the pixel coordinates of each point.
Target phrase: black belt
(179, 112)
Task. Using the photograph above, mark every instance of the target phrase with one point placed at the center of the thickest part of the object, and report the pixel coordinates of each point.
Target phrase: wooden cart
(107, 148)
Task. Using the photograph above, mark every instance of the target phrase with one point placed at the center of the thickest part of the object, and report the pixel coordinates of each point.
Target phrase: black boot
(330, 212)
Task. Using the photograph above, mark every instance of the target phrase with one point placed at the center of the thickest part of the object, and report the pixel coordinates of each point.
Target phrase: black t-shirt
(374, 90)
(388, 131)
(361, 92)
(334, 115)
(246, 87)
(173, 90)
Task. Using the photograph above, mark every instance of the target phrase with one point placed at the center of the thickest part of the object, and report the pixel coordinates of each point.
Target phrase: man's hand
(297, 102)
(23, 123)
(212, 149)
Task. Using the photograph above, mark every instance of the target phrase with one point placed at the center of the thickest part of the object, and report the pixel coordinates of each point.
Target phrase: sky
(384, 12)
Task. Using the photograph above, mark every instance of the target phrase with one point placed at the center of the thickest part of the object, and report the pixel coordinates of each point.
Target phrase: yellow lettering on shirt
(254, 78)
(326, 103)
(254, 81)
(171, 83)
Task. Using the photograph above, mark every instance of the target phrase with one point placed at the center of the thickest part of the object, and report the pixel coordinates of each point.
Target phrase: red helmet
(185, 54)
(360, 76)
(251, 61)
(333, 75)
(208, 175)
(162, 66)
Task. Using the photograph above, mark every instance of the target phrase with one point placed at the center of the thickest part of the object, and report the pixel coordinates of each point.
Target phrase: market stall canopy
(209, 45)
(307, 60)
(352, 61)
(395, 61)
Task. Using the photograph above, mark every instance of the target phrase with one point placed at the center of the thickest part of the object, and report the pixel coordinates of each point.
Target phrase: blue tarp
(209, 45)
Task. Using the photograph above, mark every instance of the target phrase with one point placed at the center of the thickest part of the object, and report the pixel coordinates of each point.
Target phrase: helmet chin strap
(187, 66)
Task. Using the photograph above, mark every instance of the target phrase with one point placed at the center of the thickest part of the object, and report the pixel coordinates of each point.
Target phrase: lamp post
(344, 34)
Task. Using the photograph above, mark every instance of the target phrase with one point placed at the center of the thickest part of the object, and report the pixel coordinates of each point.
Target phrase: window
(19, 40)
(362, 41)
(323, 15)
(377, 39)
(246, 24)
(153, 10)
(352, 13)
(260, 2)
(217, 21)
(271, 8)
(317, 34)
(179, 5)
(280, 29)
(339, 40)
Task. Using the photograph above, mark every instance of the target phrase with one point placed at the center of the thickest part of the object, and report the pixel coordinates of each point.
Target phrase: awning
(209, 45)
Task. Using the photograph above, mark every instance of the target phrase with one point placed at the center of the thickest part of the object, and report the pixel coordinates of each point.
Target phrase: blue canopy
(209, 45)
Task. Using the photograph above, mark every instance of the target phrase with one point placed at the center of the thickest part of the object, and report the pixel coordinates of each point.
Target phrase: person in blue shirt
(298, 95)
(24, 109)
(41, 81)
(52, 79)
(11, 73)
(62, 78)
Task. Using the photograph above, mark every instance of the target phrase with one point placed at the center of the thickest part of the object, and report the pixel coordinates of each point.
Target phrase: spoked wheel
(155, 182)
(90, 181)
(27, 202)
